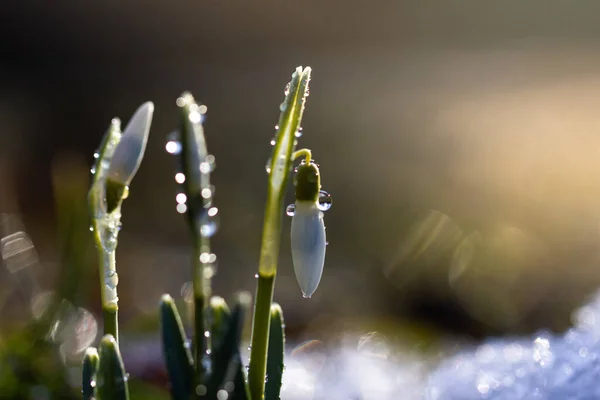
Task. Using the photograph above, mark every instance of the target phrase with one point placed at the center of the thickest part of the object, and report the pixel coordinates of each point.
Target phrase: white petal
(308, 246)
(130, 150)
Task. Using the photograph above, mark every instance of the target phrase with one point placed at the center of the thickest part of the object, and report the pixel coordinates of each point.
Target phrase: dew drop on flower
(290, 210)
(272, 142)
(181, 208)
(298, 133)
(324, 202)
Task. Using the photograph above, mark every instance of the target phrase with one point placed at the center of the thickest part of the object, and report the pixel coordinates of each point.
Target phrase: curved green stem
(289, 123)
(306, 153)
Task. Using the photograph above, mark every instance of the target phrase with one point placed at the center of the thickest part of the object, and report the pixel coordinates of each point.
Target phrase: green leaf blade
(178, 357)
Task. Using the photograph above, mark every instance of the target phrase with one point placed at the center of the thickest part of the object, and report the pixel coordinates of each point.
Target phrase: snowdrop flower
(127, 156)
(308, 230)
(130, 150)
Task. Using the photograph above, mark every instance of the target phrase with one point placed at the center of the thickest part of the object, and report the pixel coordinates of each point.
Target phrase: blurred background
(459, 140)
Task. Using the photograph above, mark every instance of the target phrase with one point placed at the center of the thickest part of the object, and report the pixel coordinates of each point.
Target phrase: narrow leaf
(90, 368)
(225, 358)
(178, 356)
(111, 382)
(219, 317)
(275, 354)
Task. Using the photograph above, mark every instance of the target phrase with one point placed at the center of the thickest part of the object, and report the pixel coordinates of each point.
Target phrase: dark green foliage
(219, 317)
(178, 356)
(90, 368)
(275, 354)
(111, 380)
(225, 358)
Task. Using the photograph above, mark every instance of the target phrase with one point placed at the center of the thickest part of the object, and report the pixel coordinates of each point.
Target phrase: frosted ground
(544, 366)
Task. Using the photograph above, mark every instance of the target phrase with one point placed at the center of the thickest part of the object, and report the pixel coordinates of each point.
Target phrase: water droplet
(282, 106)
(173, 147)
(268, 166)
(204, 257)
(324, 202)
(255, 277)
(209, 223)
(222, 394)
(187, 344)
(195, 117)
(229, 386)
(276, 127)
(93, 170)
(111, 280)
(91, 228)
(305, 296)
(298, 133)
(290, 210)
(206, 334)
(201, 390)
(93, 384)
(96, 155)
(209, 271)
(272, 142)
(181, 198)
(126, 377)
(179, 177)
(181, 208)
(286, 91)
(206, 193)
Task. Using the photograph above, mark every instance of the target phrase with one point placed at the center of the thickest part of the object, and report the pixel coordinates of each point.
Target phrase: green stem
(106, 262)
(260, 335)
(201, 293)
(306, 153)
(111, 325)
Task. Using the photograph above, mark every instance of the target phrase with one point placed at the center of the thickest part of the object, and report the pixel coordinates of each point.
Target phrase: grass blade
(178, 356)
(276, 354)
(111, 381)
(90, 368)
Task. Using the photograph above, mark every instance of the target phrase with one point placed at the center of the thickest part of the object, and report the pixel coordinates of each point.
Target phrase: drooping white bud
(308, 244)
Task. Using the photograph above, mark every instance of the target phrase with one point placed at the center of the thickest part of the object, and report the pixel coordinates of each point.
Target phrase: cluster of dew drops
(209, 224)
(113, 226)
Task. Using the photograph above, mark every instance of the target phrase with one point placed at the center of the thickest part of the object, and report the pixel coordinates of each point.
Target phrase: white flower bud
(308, 245)
(130, 150)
